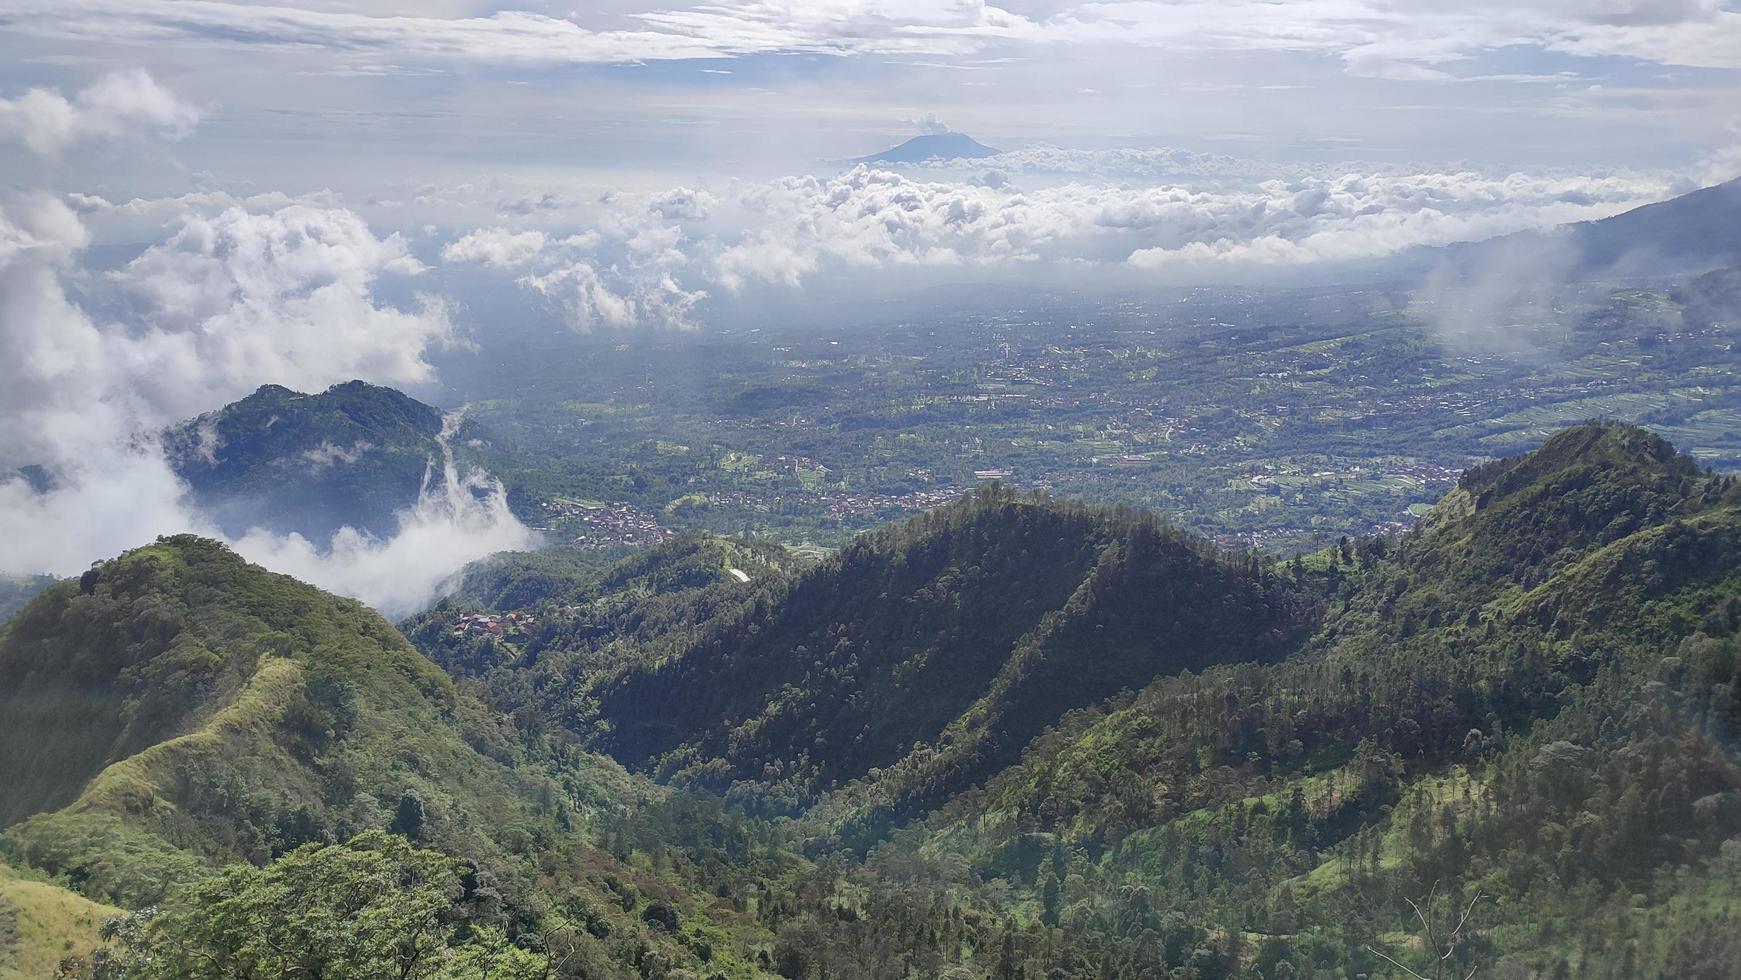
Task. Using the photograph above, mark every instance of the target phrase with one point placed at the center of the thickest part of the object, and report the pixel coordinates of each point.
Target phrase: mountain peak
(1620, 449)
(933, 146)
(354, 454)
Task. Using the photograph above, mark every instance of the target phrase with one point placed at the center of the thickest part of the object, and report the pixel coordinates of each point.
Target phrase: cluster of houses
(494, 624)
(617, 524)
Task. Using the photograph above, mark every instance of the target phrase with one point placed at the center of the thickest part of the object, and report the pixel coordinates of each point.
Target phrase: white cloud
(682, 204)
(1140, 163)
(120, 104)
(588, 301)
(456, 520)
(929, 124)
(1725, 162)
(497, 248)
(241, 298)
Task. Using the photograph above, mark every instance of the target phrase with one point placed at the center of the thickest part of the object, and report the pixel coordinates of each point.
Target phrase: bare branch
(1386, 957)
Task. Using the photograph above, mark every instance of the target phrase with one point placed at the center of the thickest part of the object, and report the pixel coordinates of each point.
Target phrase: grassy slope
(42, 924)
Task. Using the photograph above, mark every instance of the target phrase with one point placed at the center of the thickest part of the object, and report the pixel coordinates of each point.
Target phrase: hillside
(16, 590)
(1694, 232)
(1016, 737)
(1712, 301)
(176, 710)
(1506, 705)
(985, 621)
(203, 710)
(42, 924)
(1518, 702)
(354, 455)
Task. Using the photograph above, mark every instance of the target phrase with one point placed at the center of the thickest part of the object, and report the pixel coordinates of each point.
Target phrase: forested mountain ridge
(1532, 698)
(984, 621)
(1546, 664)
(1161, 760)
(1692, 232)
(206, 709)
(353, 455)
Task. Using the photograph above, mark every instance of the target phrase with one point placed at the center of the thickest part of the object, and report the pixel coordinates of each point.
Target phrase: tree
(408, 817)
(1049, 900)
(375, 908)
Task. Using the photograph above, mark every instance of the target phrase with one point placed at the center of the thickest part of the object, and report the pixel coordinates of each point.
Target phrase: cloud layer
(1403, 39)
(637, 260)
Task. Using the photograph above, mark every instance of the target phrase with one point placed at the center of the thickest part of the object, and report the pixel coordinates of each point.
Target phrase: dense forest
(1015, 737)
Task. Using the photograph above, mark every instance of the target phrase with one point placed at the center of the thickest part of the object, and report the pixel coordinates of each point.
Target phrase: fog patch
(327, 455)
(1499, 298)
(457, 519)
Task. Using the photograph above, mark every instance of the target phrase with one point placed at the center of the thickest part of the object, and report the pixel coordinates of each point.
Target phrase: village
(493, 624)
(611, 525)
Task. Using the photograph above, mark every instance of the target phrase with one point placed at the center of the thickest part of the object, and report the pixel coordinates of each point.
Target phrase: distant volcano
(938, 146)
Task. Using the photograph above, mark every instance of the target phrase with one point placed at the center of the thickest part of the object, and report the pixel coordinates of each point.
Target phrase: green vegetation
(1012, 738)
(16, 590)
(42, 924)
(375, 907)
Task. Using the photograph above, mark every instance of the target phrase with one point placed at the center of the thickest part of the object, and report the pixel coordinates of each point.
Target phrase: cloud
(589, 302)
(682, 204)
(929, 124)
(225, 303)
(715, 30)
(1129, 163)
(118, 105)
(241, 298)
(497, 248)
(1497, 301)
(876, 218)
(1723, 163)
(1397, 39)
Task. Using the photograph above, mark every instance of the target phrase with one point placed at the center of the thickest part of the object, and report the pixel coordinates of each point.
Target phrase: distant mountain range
(1690, 233)
(353, 455)
(933, 146)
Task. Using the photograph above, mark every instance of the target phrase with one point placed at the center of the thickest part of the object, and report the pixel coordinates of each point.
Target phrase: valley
(1281, 419)
(1122, 750)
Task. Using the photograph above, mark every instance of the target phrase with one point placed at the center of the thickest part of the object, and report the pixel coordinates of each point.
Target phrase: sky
(202, 196)
(352, 95)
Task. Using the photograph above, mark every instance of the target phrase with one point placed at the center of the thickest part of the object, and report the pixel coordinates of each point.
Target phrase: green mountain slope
(1532, 699)
(178, 709)
(217, 711)
(1016, 738)
(42, 924)
(353, 455)
(1527, 705)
